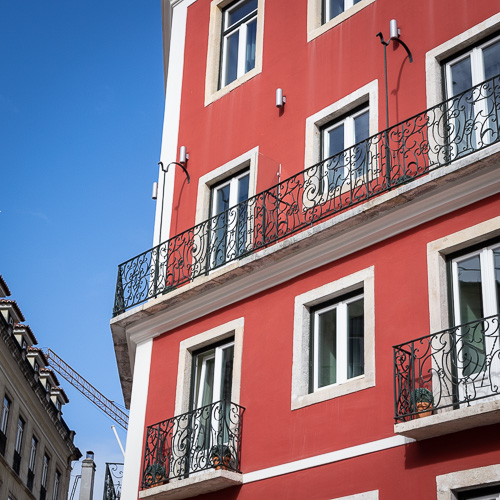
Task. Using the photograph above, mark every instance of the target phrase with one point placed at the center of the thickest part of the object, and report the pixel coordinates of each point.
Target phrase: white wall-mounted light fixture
(183, 154)
(394, 30)
(154, 195)
(280, 98)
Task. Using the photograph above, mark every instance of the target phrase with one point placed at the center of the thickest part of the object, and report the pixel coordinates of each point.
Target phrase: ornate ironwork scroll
(453, 129)
(449, 369)
(206, 438)
(113, 481)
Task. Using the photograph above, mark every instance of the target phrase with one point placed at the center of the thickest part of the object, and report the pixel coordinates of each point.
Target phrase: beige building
(36, 445)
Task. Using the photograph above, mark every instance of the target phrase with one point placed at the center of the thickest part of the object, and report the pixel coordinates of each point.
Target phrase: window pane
(227, 373)
(240, 11)
(361, 129)
(335, 141)
(336, 8)
(461, 76)
(231, 71)
(355, 339)
(243, 188)
(472, 353)
(327, 348)
(250, 45)
(491, 57)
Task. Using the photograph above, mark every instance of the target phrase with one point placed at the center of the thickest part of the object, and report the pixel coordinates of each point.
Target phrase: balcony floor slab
(447, 421)
(198, 484)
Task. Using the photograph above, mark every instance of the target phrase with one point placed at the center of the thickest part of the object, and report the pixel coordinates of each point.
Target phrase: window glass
(45, 470)
(338, 342)
(57, 480)
(333, 8)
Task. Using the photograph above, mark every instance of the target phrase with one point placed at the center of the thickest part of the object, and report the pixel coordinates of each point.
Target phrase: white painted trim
(186, 347)
(302, 332)
(326, 458)
(171, 119)
(449, 484)
(367, 495)
(134, 448)
(435, 57)
(314, 16)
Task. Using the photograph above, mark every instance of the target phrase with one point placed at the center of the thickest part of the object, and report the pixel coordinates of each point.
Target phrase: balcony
(193, 453)
(448, 381)
(113, 481)
(414, 148)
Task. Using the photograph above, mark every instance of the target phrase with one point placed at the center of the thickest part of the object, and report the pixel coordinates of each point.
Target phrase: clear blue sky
(81, 112)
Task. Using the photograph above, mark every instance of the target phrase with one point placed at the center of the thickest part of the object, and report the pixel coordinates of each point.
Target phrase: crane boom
(87, 389)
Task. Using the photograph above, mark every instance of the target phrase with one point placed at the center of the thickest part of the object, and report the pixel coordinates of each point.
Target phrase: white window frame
(33, 450)
(300, 396)
(45, 470)
(205, 339)
(215, 51)
(448, 485)
(57, 481)
(341, 342)
(6, 406)
(227, 32)
(19, 434)
(367, 495)
(315, 24)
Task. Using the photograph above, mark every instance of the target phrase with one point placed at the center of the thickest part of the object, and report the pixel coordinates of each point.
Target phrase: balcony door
(212, 384)
(472, 115)
(228, 223)
(476, 296)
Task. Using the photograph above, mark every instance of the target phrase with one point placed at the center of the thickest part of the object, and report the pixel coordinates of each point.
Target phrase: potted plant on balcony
(220, 456)
(421, 401)
(155, 475)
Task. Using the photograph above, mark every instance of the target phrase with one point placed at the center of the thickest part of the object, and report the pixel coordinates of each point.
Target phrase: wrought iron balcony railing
(448, 369)
(453, 129)
(113, 481)
(206, 438)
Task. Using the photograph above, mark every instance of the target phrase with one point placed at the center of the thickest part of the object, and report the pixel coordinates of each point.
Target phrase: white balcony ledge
(198, 484)
(447, 421)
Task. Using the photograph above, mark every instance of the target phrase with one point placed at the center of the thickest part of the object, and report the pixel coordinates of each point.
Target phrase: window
(239, 34)
(333, 8)
(45, 471)
(334, 340)
(229, 219)
(3, 424)
(491, 493)
(213, 374)
(32, 462)
(337, 341)
(323, 15)
(475, 291)
(57, 481)
(19, 435)
(336, 128)
(342, 135)
(235, 42)
(5, 414)
(16, 465)
(472, 113)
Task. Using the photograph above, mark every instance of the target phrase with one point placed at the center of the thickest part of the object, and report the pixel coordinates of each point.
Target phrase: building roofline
(4, 289)
(28, 330)
(15, 307)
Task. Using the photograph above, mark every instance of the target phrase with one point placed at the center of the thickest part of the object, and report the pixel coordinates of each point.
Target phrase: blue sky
(81, 111)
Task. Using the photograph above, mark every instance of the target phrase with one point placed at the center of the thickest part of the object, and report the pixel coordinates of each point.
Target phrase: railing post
(411, 392)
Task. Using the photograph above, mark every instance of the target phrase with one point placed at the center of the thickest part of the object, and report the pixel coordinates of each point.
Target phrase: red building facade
(319, 315)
